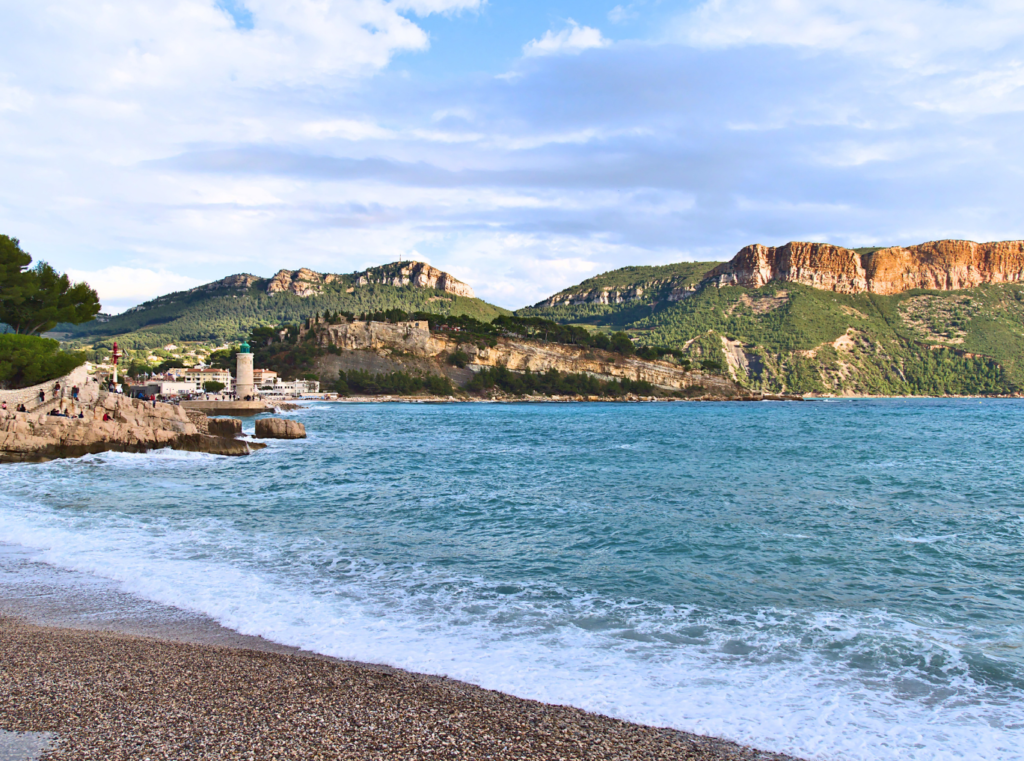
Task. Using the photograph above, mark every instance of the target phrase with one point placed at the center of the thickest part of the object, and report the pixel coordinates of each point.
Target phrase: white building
(290, 388)
(201, 375)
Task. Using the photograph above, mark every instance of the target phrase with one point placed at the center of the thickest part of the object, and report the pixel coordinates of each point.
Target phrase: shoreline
(118, 677)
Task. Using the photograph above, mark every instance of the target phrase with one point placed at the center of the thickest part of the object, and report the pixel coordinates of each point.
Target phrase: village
(201, 381)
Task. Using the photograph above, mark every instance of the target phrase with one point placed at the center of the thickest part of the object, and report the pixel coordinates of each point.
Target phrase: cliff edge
(945, 265)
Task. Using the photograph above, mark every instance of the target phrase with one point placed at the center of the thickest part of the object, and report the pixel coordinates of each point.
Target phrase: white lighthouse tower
(244, 386)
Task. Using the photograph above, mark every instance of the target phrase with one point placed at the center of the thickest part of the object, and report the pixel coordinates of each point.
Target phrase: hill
(943, 318)
(230, 308)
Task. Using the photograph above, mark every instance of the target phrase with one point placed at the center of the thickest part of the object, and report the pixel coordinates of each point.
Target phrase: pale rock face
(413, 337)
(416, 339)
(279, 428)
(418, 274)
(302, 282)
(305, 282)
(232, 282)
(941, 265)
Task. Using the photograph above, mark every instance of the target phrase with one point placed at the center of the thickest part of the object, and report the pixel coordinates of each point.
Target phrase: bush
(28, 360)
(554, 383)
(458, 358)
(621, 344)
(213, 387)
(391, 384)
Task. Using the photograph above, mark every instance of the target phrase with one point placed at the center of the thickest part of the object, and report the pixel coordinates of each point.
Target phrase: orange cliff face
(944, 265)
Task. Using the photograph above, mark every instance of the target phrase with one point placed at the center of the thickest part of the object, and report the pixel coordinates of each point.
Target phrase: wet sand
(116, 677)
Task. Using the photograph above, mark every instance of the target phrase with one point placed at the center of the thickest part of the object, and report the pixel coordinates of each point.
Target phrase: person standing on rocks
(42, 396)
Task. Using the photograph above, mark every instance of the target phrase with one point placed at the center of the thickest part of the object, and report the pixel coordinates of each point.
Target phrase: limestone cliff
(941, 265)
(418, 274)
(412, 343)
(305, 282)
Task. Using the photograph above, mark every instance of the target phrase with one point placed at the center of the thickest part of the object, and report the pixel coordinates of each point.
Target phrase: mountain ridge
(945, 317)
(228, 308)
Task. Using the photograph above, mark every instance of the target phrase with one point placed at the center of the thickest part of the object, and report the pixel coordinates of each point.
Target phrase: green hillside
(227, 314)
(793, 338)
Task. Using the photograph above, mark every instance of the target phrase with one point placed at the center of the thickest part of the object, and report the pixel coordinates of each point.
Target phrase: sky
(523, 146)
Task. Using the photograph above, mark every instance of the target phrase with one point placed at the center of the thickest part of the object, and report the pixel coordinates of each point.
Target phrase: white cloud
(906, 32)
(122, 287)
(426, 7)
(347, 129)
(573, 39)
(621, 13)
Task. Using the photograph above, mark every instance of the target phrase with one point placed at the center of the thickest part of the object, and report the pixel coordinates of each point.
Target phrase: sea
(834, 579)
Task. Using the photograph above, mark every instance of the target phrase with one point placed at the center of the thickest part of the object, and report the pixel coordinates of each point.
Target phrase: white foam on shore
(758, 679)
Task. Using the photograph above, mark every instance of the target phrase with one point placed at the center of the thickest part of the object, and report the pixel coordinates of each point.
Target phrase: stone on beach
(279, 428)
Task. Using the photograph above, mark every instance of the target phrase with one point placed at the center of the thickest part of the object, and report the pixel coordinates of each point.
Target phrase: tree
(213, 386)
(621, 343)
(33, 300)
(28, 360)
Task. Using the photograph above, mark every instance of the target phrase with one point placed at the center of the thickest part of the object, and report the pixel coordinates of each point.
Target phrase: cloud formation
(169, 141)
(571, 40)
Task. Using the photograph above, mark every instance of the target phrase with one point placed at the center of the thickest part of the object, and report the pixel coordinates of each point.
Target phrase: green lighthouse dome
(244, 348)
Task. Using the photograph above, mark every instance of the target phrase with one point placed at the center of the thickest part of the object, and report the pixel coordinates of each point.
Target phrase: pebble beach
(112, 696)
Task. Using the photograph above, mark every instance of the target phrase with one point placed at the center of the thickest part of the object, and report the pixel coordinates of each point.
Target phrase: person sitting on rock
(21, 408)
(106, 416)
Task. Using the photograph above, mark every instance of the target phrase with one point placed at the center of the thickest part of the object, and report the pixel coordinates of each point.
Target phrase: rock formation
(279, 428)
(305, 282)
(227, 427)
(410, 341)
(418, 274)
(133, 426)
(941, 265)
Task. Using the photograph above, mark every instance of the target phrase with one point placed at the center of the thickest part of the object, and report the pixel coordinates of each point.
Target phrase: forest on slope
(227, 314)
(788, 337)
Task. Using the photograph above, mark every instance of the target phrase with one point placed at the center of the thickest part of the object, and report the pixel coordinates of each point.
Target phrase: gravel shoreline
(117, 696)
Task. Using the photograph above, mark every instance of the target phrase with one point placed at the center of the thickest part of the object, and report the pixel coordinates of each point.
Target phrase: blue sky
(522, 146)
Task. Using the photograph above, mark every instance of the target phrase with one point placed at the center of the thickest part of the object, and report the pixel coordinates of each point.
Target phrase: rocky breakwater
(944, 265)
(131, 426)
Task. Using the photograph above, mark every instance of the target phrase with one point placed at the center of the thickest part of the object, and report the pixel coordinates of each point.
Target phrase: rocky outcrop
(240, 282)
(302, 282)
(279, 428)
(941, 265)
(225, 427)
(133, 426)
(414, 339)
(417, 274)
(305, 282)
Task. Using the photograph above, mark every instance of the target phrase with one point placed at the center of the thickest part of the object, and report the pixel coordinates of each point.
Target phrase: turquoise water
(838, 580)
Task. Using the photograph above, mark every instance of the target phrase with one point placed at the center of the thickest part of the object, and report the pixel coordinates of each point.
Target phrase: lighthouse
(243, 373)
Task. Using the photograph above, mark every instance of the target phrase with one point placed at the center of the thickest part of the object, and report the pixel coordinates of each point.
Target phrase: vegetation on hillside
(215, 317)
(793, 338)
